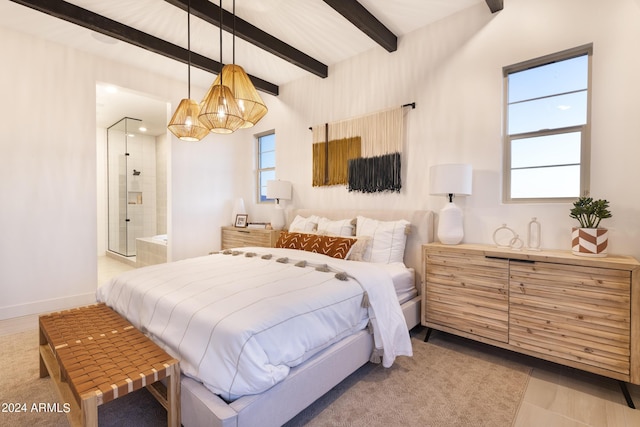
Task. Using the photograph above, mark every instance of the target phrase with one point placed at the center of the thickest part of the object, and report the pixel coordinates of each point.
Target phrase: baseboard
(46, 306)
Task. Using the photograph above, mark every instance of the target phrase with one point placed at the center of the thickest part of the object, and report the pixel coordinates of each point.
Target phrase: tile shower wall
(141, 197)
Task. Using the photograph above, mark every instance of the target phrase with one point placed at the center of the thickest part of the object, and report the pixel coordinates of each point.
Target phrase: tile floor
(556, 396)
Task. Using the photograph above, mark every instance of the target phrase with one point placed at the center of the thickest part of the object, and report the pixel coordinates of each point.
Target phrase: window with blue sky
(266, 163)
(547, 122)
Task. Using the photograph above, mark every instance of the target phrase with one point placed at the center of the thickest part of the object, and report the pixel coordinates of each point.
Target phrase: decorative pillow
(333, 246)
(359, 248)
(388, 239)
(342, 227)
(304, 225)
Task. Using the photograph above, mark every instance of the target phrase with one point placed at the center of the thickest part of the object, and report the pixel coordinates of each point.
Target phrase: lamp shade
(451, 179)
(279, 190)
(185, 123)
(252, 107)
(219, 111)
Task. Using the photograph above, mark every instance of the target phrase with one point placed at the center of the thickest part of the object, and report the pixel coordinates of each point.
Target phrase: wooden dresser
(577, 311)
(234, 237)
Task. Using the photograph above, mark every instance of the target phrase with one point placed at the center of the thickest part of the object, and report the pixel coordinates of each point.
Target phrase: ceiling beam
(359, 16)
(209, 12)
(495, 5)
(98, 23)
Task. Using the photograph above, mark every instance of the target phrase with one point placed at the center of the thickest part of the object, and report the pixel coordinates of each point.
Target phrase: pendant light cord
(234, 32)
(220, 42)
(189, 48)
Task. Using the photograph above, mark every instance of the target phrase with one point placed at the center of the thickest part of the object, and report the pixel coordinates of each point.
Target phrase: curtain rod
(411, 104)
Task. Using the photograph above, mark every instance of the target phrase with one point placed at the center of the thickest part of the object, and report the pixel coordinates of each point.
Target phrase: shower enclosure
(130, 186)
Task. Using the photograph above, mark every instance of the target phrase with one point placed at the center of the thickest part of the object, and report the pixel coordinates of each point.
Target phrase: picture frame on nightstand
(241, 220)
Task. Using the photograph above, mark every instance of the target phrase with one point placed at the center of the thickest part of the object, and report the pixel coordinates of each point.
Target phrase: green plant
(590, 212)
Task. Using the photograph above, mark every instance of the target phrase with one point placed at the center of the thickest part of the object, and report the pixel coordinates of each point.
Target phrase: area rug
(450, 381)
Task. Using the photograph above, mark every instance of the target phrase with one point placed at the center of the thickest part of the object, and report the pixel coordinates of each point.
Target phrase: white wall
(453, 71)
(48, 166)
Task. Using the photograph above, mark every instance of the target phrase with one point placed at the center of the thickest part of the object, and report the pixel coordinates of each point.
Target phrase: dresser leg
(426, 337)
(627, 396)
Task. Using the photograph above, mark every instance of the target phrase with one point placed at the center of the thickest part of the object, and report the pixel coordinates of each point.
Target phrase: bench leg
(44, 372)
(173, 397)
(90, 410)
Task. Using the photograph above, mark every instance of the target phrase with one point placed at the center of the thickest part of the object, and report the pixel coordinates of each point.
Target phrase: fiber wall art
(363, 153)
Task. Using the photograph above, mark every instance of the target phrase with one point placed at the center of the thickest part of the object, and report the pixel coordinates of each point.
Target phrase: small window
(266, 161)
(547, 127)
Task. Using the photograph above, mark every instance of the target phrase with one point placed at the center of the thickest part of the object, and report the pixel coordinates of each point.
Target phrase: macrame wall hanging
(363, 153)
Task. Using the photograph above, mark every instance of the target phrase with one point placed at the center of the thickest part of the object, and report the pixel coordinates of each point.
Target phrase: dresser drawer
(233, 237)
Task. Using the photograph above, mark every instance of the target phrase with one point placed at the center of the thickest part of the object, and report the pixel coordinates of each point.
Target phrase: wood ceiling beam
(100, 24)
(495, 5)
(210, 12)
(359, 16)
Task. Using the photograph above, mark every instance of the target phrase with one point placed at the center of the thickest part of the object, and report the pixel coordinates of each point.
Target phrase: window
(547, 127)
(266, 163)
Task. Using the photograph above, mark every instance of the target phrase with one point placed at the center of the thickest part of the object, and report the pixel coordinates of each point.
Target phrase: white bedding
(239, 323)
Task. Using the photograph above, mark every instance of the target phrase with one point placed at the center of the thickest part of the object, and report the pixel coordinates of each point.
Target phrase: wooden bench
(95, 356)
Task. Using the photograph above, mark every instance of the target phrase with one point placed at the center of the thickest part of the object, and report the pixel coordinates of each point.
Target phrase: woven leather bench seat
(97, 356)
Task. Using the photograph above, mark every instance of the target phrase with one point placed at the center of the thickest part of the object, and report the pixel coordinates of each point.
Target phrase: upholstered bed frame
(309, 381)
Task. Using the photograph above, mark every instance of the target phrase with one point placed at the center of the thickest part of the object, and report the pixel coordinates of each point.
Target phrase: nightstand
(234, 237)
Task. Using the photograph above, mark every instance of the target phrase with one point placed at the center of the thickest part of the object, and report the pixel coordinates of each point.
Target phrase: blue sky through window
(545, 163)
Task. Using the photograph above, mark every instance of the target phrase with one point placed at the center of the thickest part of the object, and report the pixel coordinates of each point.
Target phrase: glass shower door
(122, 183)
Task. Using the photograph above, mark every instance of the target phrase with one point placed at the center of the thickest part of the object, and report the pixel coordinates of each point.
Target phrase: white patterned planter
(591, 242)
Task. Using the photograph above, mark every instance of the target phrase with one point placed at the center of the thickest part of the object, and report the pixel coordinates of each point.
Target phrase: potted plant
(590, 239)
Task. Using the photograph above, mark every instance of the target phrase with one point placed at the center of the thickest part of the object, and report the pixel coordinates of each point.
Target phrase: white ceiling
(310, 26)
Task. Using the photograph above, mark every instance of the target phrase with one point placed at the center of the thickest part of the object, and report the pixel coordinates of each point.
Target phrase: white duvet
(238, 323)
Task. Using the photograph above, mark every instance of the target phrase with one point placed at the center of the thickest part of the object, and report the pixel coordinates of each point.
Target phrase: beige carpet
(449, 382)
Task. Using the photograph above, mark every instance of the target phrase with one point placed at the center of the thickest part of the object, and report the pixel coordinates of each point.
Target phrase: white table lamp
(278, 190)
(450, 180)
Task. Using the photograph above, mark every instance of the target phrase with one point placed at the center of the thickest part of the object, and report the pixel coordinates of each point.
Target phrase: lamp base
(450, 229)
(277, 218)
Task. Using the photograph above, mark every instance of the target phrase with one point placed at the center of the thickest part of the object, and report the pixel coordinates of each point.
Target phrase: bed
(359, 333)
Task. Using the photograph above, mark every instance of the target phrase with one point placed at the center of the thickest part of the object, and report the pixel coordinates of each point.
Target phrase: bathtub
(151, 250)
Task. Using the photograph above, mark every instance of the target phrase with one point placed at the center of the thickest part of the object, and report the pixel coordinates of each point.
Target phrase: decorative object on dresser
(278, 190)
(234, 237)
(590, 239)
(449, 180)
(579, 312)
(534, 234)
(241, 220)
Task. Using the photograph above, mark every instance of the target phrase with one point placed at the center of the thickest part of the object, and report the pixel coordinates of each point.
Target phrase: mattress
(239, 322)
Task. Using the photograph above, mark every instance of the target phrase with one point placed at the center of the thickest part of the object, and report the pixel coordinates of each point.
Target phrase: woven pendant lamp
(251, 105)
(185, 124)
(219, 111)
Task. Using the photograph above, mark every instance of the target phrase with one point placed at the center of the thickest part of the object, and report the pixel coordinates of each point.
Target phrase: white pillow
(304, 225)
(342, 227)
(388, 239)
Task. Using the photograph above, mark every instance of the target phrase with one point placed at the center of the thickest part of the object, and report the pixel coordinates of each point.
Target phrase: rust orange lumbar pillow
(333, 246)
